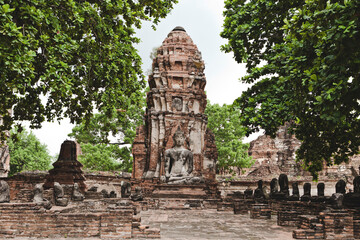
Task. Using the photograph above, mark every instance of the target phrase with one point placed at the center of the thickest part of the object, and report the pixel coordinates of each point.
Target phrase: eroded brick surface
(176, 100)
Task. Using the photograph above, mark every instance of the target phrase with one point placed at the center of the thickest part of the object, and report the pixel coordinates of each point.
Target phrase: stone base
(287, 218)
(260, 211)
(180, 191)
(333, 224)
(243, 206)
(30, 220)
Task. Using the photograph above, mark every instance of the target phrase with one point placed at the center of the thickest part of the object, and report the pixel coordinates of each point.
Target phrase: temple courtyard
(212, 224)
(209, 224)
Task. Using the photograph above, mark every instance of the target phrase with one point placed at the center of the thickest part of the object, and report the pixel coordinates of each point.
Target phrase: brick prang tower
(176, 100)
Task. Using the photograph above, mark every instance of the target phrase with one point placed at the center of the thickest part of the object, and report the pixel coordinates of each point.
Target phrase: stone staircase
(143, 231)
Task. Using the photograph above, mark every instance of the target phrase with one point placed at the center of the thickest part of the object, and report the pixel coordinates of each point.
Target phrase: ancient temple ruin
(4, 156)
(174, 169)
(274, 156)
(174, 145)
(67, 169)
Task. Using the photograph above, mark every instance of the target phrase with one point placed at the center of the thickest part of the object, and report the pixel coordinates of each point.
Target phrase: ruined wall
(22, 184)
(32, 220)
(275, 156)
(96, 216)
(176, 100)
(67, 169)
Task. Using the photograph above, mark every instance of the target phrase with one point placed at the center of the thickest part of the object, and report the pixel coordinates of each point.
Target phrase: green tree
(111, 137)
(65, 58)
(95, 140)
(303, 58)
(27, 153)
(104, 157)
(224, 123)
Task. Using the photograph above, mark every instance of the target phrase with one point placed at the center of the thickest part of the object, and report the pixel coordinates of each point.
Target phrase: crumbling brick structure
(277, 155)
(176, 100)
(67, 169)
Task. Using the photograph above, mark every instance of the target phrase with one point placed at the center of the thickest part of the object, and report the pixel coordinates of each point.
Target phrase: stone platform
(179, 191)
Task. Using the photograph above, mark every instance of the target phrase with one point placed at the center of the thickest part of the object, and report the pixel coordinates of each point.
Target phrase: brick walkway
(211, 224)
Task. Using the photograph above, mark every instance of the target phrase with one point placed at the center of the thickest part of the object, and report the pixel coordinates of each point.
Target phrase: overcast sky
(202, 20)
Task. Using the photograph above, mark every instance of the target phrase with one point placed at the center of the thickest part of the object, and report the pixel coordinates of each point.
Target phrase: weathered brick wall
(22, 185)
(260, 211)
(356, 226)
(31, 220)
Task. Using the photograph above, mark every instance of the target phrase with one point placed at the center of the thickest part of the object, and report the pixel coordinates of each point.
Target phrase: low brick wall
(288, 212)
(31, 220)
(260, 211)
(22, 184)
(329, 224)
(337, 224)
(242, 206)
(356, 225)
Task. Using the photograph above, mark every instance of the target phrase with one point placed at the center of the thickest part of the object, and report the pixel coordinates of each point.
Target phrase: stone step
(179, 193)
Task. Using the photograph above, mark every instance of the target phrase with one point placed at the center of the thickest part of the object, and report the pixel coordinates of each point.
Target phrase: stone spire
(67, 169)
(176, 100)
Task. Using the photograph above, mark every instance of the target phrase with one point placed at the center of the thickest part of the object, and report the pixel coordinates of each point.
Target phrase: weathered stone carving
(284, 188)
(177, 103)
(259, 192)
(248, 193)
(295, 192)
(39, 198)
(352, 199)
(93, 188)
(274, 187)
(4, 192)
(112, 194)
(340, 186)
(105, 193)
(60, 200)
(321, 189)
(356, 184)
(284, 184)
(176, 100)
(137, 195)
(307, 192)
(125, 189)
(320, 193)
(337, 200)
(77, 194)
(179, 162)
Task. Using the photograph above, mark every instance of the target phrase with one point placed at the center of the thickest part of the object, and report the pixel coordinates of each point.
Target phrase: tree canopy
(303, 58)
(224, 123)
(105, 157)
(27, 153)
(103, 151)
(65, 58)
